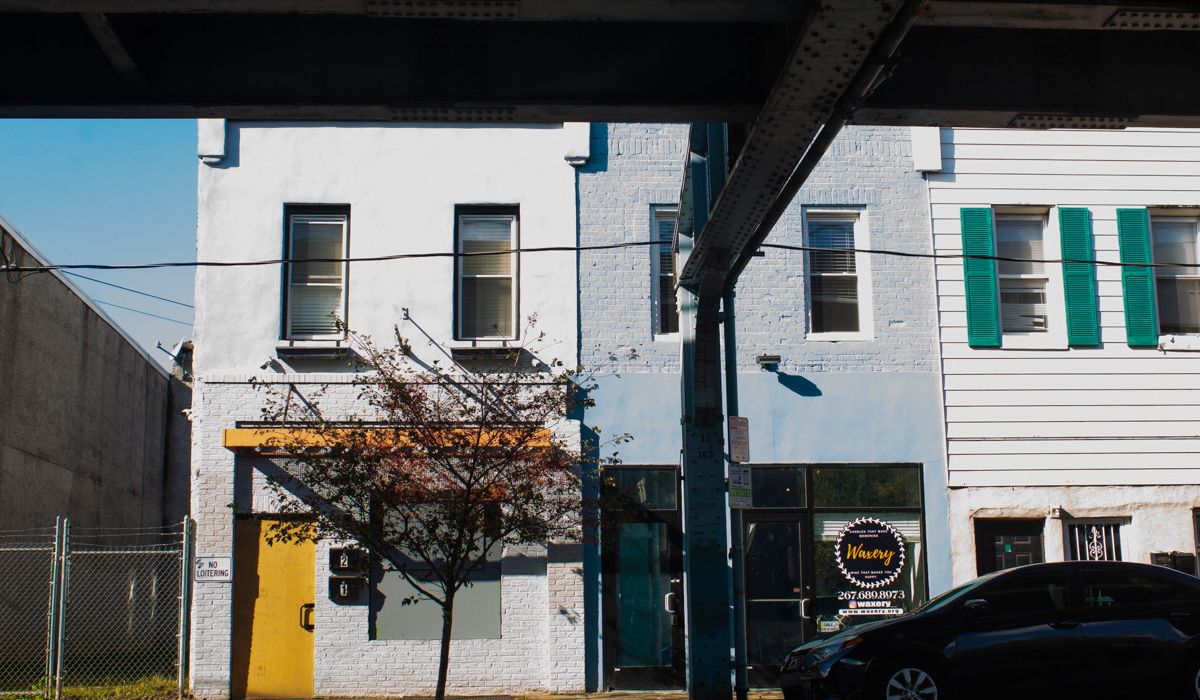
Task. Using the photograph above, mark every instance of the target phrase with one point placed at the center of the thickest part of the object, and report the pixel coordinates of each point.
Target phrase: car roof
(1093, 565)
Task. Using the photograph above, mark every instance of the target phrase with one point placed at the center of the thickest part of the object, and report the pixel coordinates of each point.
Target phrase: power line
(144, 313)
(127, 289)
(578, 249)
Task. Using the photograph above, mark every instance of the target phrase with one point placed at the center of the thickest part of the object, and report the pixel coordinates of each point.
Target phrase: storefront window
(868, 565)
(654, 489)
(777, 487)
(866, 486)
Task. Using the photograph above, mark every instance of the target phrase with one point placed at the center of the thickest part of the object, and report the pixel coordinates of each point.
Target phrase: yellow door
(272, 614)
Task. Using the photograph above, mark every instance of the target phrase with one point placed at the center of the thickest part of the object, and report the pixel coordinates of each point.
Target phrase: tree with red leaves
(442, 467)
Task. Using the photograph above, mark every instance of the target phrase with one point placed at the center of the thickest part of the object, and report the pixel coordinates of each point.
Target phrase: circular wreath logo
(870, 553)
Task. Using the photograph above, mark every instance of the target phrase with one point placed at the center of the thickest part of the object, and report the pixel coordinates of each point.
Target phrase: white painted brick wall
(541, 644)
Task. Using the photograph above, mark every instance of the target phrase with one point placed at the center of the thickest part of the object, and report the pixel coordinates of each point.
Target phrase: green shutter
(1079, 278)
(979, 279)
(1141, 320)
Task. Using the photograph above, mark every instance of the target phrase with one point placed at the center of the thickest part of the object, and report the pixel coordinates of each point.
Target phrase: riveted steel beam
(1130, 15)
(841, 50)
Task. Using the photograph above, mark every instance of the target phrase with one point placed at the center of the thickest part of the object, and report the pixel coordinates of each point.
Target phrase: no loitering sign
(213, 570)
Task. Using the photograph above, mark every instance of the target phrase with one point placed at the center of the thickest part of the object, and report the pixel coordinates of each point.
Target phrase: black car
(1066, 630)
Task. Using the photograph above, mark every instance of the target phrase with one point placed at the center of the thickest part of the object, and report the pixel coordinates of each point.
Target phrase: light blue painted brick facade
(855, 402)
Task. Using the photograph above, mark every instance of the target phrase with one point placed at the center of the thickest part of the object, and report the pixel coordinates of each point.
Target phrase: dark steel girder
(295, 66)
(965, 76)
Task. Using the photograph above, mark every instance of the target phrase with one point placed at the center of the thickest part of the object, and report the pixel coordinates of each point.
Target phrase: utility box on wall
(1180, 561)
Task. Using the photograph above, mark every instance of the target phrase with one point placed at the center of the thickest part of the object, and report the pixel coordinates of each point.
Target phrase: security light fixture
(768, 362)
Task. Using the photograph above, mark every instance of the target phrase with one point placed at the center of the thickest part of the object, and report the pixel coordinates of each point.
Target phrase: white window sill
(666, 337)
(838, 337)
(1032, 341)
(1179, 343)
(311, 343)
(481, 343)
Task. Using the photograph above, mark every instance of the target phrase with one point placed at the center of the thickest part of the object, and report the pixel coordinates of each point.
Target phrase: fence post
(185, 597)
(52, 610)
(64, 579)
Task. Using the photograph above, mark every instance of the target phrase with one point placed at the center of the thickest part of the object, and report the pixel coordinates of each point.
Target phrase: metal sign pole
(185, 597)
(64, 579)
(52, 610)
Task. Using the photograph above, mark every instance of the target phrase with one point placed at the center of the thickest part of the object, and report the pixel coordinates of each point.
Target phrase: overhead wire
(571, 249)
(144, 313)
(127, 289)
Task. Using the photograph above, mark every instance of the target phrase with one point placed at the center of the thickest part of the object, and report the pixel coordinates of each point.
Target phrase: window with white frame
(1177, 287)
(838, 285)
(664, 310)
(1024, 286)
(486, 274)
(315, 295)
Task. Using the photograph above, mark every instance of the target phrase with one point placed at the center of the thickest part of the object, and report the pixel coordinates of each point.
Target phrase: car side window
(1122, 588)
(1027, 593)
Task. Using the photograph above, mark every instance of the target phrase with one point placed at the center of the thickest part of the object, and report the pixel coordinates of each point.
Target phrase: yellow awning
(269, 441)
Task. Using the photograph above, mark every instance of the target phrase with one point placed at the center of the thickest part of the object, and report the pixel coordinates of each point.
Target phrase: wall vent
(1027, 120)
(1153, 20)
(445, 9)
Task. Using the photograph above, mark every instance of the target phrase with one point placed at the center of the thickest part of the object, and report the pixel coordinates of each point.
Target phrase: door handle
(668, 603)
(1064, 624)
(804, 603)
(306, 613)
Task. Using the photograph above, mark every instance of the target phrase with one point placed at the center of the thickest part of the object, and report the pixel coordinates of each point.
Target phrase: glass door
(642, 563)
(778, 599)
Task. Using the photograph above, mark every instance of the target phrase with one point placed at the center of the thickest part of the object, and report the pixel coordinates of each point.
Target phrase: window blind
(486, 280)
(316, 289)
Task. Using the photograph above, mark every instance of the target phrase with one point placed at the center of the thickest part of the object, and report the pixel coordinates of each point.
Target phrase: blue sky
(109, 191)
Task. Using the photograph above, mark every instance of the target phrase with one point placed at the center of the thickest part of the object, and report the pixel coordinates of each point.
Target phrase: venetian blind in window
(1022, 283)
(316, 277)
(486, 276)
(833, 275)
(666, 311)
(1177, 286)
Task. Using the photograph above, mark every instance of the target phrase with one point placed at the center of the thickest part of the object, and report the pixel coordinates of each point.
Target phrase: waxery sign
(870, 553)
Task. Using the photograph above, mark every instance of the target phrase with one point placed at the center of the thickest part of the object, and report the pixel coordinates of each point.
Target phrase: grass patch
(150, 688)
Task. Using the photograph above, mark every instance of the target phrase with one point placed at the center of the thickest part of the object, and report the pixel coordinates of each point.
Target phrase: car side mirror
(976, 607)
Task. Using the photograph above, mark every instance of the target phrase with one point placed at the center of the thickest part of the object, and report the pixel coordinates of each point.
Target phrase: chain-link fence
(94, 612)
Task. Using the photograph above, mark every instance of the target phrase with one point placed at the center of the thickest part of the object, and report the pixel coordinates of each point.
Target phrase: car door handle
(1065, 624)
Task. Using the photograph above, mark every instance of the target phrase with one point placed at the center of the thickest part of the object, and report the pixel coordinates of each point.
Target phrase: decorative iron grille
(1094, 541)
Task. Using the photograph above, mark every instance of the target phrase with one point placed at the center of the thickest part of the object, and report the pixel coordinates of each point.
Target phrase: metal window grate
(1094, 541)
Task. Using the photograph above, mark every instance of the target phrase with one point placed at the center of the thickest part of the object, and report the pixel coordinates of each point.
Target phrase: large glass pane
(777, 487)
(643, 579)
(654, 489)
(860, 575)
(773, 560)
(773, 628)
(834, 303)
(320, 238)
(1175, 243)
(835, 234)
(1178, 305)
(1023, 305)
(313, 309)
(485, 234)
(486, 307)
(867, 486)
(1020, 238)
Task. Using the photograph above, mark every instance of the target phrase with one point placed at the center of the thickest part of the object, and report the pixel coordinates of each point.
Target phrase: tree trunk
(444, 659)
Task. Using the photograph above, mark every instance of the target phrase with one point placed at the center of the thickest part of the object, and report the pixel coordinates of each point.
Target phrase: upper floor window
(664, 309)
(1177, 288)
(1024, 286)
(486, 273)
(838, 286)
(315, 295)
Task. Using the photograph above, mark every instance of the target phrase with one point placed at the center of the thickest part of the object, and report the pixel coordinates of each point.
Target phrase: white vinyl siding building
(1098, 430)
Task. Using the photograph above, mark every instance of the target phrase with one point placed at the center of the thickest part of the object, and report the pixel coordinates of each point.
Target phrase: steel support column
(706, 549)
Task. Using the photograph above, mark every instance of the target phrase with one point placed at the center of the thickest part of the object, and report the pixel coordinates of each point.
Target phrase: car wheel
(912, 680)
(1192, 689)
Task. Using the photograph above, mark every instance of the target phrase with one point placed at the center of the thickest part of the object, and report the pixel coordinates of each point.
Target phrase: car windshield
(943, 599)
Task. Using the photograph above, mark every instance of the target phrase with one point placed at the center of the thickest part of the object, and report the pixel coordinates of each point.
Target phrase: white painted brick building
(384, 189)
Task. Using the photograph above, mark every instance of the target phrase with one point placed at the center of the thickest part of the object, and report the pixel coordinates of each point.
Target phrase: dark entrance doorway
(1003, 543)
(778, 597)
(642, 563)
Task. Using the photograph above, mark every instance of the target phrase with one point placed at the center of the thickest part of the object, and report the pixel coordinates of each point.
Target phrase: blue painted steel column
(706, 549)
(737, 555)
